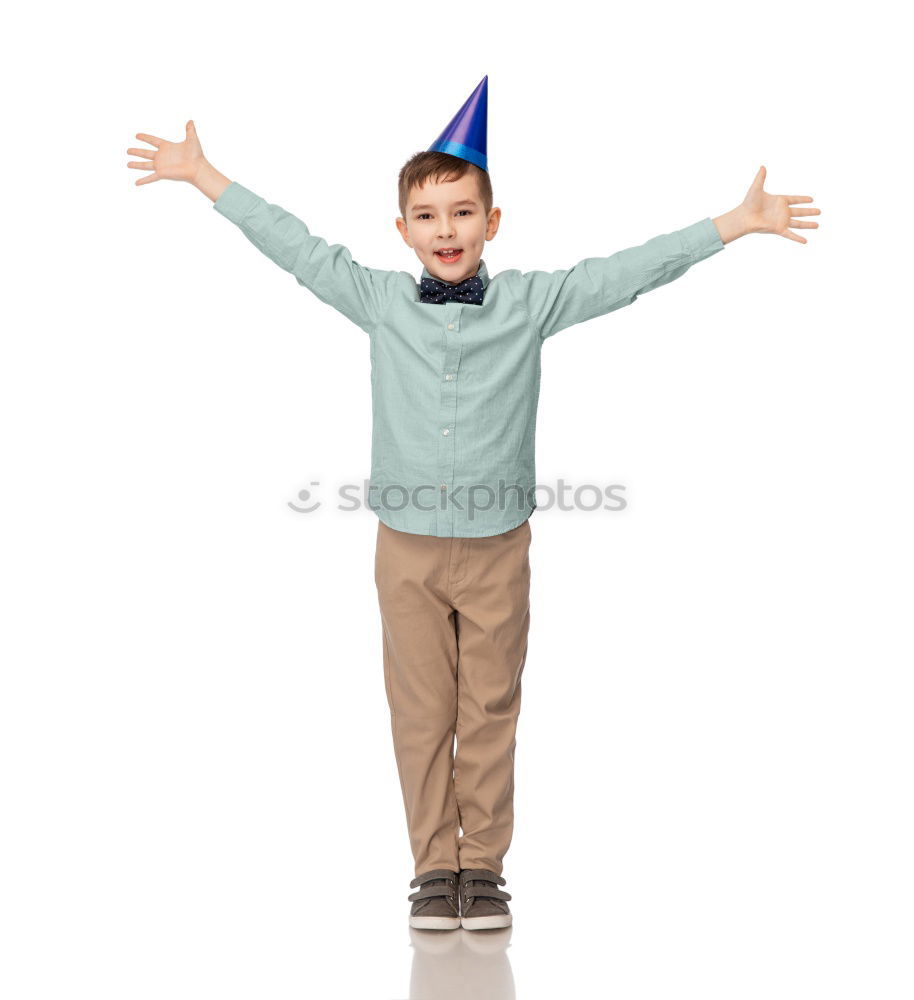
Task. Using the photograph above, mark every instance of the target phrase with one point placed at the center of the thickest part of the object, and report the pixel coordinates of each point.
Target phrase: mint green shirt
(455, 385)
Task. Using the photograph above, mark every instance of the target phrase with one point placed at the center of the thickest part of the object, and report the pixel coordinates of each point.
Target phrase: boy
(455, 385)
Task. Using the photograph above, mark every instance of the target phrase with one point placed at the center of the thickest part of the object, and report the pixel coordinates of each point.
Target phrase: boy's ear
(404, 232)
(492, 225)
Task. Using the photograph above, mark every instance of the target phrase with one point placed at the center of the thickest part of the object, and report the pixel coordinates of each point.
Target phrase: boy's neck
(467, 278)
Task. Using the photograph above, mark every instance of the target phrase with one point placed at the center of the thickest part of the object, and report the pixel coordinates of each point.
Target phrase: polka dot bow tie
(469, 290)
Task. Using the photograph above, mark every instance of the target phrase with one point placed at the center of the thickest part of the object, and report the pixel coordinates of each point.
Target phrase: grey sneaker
(435, 905)
(482, 903)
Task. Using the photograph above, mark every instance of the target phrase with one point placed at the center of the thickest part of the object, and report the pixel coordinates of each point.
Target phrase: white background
(713, 786)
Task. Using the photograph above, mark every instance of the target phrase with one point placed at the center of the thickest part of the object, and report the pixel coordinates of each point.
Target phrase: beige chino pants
(455, 613)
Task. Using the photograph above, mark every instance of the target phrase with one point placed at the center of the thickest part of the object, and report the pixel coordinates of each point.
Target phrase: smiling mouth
(448, 255)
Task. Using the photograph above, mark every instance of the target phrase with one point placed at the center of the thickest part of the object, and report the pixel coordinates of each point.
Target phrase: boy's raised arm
(598, 285)
(360, 293)
(559, 299)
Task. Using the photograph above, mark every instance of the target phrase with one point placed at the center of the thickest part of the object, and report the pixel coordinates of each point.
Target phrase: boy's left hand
(771, 213)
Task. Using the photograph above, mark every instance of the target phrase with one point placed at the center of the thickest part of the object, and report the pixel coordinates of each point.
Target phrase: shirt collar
(482, 274)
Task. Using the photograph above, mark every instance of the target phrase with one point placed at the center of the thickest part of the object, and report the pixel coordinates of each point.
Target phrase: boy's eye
(424, 215)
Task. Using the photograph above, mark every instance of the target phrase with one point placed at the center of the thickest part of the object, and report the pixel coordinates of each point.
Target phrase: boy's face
(448, 215)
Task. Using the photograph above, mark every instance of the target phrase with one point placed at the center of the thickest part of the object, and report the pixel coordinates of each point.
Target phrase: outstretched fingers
(796, 213)
(147, 163)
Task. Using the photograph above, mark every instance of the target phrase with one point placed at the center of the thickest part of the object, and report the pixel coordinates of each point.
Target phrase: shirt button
(445, 431)
(444, 486)
(450, 326)
(448, 378)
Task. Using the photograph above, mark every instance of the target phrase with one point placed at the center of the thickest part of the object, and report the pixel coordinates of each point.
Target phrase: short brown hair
(441, 166)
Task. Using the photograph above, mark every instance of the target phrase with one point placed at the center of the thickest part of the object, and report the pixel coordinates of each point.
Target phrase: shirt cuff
(235, 202)
(701, 239)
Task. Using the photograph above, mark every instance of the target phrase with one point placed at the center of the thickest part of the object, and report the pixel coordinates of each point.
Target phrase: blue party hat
(465, 135)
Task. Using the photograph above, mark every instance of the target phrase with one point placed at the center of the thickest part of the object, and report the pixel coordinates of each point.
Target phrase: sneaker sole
(483, 923)
(435, 923)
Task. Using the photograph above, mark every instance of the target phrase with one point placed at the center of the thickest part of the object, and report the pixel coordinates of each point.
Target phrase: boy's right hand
(173, 161)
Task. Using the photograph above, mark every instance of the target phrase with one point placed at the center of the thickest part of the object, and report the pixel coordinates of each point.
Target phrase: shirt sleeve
(359, 293)
(559, 299)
